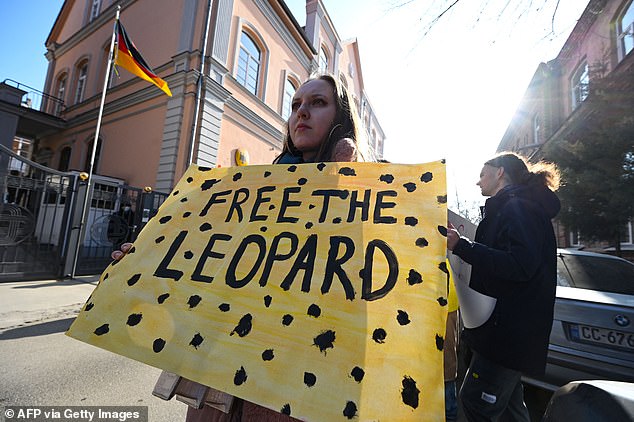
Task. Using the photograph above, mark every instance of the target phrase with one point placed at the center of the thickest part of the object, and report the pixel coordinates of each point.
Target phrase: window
(575, 238)
(64, 159)
(579, 83)
(536, 128)
(249, 64)
(625, 32)
(95, 8)
(323, 60)
(626, 234)
(81, 83)
(289, 92)
(61, 92)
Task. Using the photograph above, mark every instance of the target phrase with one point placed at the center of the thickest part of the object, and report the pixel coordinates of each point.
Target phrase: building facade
(227, 109)
(561, 102)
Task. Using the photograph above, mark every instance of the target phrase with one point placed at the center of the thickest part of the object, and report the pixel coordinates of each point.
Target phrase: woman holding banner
(513, 260)
(323, 127)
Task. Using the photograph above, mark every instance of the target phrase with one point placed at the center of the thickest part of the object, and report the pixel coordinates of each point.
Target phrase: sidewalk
(26, 302)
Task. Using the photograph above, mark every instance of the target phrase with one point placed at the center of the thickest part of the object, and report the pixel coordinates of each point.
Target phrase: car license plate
(588, 334)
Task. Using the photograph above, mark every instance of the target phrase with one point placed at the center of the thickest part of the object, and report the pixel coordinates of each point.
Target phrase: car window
(596, 273)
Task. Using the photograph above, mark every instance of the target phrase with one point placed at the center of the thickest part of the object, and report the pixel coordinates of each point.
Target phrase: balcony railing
(38, 100)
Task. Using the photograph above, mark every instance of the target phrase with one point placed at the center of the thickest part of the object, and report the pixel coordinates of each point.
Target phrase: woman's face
(313, 111)
(490, 180)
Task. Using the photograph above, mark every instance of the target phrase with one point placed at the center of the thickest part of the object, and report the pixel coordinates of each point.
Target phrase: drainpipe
(199, 87)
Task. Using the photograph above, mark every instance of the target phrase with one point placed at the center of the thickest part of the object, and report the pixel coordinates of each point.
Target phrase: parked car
(592, 336)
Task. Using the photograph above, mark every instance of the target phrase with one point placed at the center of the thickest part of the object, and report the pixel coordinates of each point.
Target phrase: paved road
(42, 366)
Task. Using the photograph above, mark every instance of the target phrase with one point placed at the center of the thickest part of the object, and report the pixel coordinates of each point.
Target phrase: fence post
(75, 229)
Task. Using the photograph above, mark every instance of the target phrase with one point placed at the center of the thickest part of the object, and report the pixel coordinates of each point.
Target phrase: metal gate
(40, 219)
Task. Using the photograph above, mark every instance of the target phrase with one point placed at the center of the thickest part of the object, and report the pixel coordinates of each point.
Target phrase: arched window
(625, 32)
(579, 83)
(60, 93)
(89, 154)
(323, 60)
(64, 159)
(289, 91)
(82, 74)
(537, 129)
(249, 58)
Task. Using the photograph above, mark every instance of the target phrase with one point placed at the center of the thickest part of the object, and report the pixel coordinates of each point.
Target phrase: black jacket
(514, 259)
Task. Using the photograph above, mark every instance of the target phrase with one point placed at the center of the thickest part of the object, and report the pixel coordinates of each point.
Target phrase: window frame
(623, 32)
(323, 60)
(579, 83)
(81, 81)
(243, 81)
(60, 93)
(95, 9)
(287, 97)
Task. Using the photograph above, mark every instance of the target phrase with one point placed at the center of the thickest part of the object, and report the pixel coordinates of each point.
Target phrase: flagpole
(84, 210)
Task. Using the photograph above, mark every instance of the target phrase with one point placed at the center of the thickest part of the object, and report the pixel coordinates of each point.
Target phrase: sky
(447, 91)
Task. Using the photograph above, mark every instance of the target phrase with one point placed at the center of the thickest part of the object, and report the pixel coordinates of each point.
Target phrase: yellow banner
(316, 290)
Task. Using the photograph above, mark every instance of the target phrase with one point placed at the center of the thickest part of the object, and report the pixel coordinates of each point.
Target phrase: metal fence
(41, 232)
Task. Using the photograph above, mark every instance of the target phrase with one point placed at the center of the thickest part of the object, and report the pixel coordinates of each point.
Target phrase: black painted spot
(325, 340)
(442, 199)
(347, 171)
(193, 301)
(159, 239)
(165, 219)
(414, 277)
(271, 207)
(175, 193)
(440, 342)
(196, 340)
(292, 169)
(190, 179)
(379, 335)
(442, 230)
(105, 277)
(244, 326)
(205, 226)
(387, 178)
(442, 301)
(287, 319)
(267, 173)
(134, 319)
(321, 166)
(427, 177)
(443, 267)
(421, 242)
(158, 345)
(410, 187)
(240, 377)
(314, 311)
(102, 330)
(302, 181)
(237, 177)
(188, 255)
(350, 411)
(224, 307)
(183, 200)
(410, 392)
(308, 225)
(203, 168)
(267, 355)
(263, 229)
(208, 184)
(162, 298)
(309, 379)
(336, 220)
(132, 280)
(402, 317)
(411, 221)
(286, 410)
(357, 374)
(133, 250)
(267, 300)
(89, 306)
(187, 214)
(115, 262)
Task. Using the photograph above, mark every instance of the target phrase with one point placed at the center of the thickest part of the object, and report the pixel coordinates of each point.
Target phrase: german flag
(128, 57)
